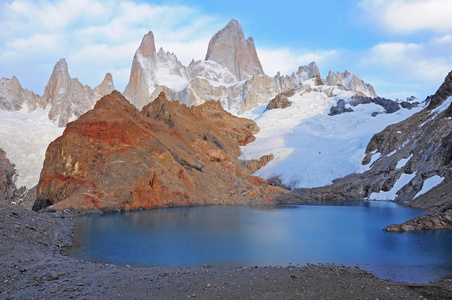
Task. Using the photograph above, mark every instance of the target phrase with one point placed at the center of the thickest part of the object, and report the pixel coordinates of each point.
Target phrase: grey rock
(229, 48)
(350, 82)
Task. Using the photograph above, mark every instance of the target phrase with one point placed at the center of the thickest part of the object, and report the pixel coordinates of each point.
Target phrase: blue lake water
(346, 232)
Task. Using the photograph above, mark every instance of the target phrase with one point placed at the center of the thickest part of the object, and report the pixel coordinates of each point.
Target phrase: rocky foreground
(34, 267)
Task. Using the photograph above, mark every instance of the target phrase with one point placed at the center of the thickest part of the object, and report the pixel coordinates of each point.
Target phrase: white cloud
(415, 61)
(396, 68)
(409, 16)
(286, 61)
(95, 36)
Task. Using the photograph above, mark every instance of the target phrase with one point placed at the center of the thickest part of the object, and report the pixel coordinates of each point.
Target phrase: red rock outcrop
(116, 158)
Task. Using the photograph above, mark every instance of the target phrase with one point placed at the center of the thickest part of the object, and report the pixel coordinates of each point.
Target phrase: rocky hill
(411, 162)
(116, 158)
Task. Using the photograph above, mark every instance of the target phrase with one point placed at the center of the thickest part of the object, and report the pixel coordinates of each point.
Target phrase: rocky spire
(106, 87)
(13, 96)
(59, 84)
(67, 96)
(229, 48)
(151, 69)
(147, 46)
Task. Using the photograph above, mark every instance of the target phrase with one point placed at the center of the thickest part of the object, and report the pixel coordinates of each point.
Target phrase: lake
(343, 232)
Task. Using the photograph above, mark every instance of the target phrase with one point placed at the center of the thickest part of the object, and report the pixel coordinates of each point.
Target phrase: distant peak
(234, 23)
(147, 46)
(229, 48)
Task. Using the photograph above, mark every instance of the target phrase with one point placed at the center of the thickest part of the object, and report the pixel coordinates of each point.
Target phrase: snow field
(310, 147)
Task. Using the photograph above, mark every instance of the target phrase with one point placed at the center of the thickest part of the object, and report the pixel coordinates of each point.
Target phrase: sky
(401, 47)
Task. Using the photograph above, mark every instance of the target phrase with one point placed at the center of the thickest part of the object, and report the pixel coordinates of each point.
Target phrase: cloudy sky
(401, 47)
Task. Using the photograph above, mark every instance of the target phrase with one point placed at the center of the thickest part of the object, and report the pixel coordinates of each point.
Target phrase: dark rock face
(389, 105)
(7, 172)
(339, 108)
(116, 158)
(444, 91)
(281, 100)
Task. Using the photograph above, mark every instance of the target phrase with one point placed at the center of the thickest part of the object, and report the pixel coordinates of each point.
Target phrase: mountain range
(312, 132)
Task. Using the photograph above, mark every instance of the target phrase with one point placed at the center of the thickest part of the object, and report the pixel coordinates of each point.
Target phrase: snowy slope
(25, 137)
(310, 147)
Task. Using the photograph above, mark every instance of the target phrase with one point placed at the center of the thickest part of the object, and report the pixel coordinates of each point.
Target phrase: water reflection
(346, 232)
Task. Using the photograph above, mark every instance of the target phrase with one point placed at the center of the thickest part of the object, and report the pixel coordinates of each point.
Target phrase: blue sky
(401, 47)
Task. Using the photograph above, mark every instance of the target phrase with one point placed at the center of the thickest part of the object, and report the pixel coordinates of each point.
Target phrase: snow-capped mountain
(350, 82)
(151, 69)
(231, 73)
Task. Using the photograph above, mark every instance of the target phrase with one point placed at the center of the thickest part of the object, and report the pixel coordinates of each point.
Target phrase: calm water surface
(347, 232)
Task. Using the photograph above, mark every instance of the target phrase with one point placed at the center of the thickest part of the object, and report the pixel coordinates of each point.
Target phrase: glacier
(311, 148)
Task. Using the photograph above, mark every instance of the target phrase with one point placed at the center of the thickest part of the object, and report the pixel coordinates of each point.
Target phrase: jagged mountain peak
(68, 97)
(349, 81)
(147, 46)
(13, 96)
(107, 86)
(229, 48)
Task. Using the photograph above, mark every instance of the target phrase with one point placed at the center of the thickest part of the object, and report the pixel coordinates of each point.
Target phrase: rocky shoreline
(34, 267)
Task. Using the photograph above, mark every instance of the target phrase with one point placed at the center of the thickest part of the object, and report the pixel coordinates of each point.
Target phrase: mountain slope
(311, 148)
(411, 162)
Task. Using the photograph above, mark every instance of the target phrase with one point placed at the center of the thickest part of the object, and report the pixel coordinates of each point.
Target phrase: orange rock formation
(116, 158)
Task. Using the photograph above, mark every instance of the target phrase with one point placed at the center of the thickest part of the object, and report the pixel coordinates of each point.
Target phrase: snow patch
(392, 194)
(429, 183)
(435, 112)
(402, 163)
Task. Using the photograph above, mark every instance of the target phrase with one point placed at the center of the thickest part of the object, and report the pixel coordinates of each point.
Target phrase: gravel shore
(33, 266)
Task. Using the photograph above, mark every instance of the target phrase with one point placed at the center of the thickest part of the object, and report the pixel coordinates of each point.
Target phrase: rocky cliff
(13, 97)
(151, 69)
(116, 158)
(410, 161)
(229, 48)
(68, 98)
